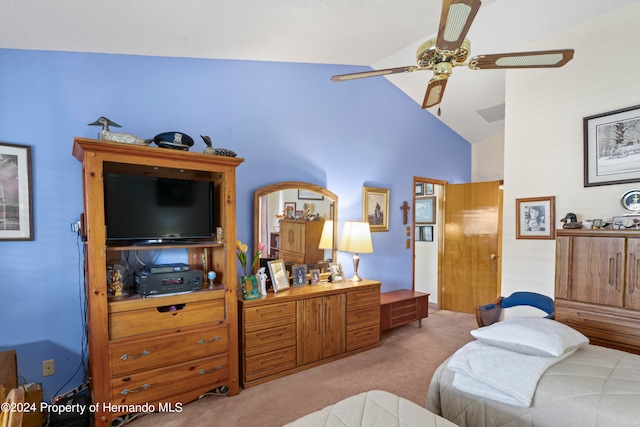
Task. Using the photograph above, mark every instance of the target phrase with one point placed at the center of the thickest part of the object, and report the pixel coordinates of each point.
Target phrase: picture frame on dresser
(535, 218)
(16, 201)
(337, 273)
(279, 276)
(609, 139)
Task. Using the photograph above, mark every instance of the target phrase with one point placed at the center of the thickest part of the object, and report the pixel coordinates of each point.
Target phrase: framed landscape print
(425, 212)
(612, 147)
(16, 216)
(535, 218)
(375, 208)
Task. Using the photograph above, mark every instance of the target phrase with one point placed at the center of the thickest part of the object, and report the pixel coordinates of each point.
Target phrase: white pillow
(536, 336)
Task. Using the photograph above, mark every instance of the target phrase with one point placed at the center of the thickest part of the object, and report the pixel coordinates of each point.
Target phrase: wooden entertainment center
(166, 349)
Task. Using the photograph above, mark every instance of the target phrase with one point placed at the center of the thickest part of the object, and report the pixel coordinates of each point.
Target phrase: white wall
(543, 152)
(487, 159)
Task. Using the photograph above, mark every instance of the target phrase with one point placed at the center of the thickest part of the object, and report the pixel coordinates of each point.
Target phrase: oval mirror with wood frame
(289, 217)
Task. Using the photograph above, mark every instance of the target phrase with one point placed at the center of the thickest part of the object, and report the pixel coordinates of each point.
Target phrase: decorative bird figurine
(571, 221)
(217, 151)
(107, 135)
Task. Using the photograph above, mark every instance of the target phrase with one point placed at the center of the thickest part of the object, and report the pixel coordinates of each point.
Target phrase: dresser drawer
(363, 337)
(266, 364)
(364, 297)
(269, 316)
(132, 356)
(158, 384)
(153, 319)
(606, 326)
(368, 316)
(269, 336)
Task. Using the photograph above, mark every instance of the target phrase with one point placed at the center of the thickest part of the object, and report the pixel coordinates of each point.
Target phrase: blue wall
(287, 120)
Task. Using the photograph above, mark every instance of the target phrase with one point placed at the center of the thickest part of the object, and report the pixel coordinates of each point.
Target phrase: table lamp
(356, 238)
(326, 238)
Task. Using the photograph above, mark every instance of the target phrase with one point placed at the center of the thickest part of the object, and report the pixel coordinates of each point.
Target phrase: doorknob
(493, 256)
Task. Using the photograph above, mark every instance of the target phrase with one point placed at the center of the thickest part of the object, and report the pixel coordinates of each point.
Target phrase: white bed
(586, 385)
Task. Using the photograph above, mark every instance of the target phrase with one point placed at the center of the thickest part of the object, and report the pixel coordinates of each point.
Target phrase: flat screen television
(149, 209)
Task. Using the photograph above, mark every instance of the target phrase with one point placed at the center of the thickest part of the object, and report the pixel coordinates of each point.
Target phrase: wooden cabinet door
(292, 236)
(632, 289)
(321, 328)
(597, 270)
(334, 325)
(309, 330)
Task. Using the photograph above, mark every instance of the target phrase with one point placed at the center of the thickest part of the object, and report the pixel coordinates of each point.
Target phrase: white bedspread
(499, 374)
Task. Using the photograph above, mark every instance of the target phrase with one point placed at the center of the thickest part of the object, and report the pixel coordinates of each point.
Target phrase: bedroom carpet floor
(403, 365)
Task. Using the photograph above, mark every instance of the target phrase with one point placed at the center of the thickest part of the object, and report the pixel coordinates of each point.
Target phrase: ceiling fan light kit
(451, 49)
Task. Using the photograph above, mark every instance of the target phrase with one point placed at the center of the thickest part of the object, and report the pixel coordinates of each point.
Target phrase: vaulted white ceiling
(375, 33)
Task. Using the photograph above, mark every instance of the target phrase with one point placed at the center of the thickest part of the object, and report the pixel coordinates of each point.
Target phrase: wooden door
(597, 270)
(470, 253)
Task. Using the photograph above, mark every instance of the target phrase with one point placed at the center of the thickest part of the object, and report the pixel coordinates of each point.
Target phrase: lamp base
(356, 261)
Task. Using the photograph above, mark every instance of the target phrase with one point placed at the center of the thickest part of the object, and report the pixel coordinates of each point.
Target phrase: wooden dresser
(172, 348)
(299, 328)
(597, 285)
(298, 241)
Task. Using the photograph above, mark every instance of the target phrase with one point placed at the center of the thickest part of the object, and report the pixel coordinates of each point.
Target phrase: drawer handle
(127, 391)
(128, 356)
(209, 371)
(203, 341)
(170, 308)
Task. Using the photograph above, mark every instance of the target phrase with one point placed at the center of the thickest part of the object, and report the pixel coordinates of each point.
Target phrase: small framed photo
(299, 273)
(428, 188)
(425, 212)
(535, 218)
(418, 234)
(375, 208)
(337, 274)
(419, 189)
(611, 146)
(279, 276)
(16, 205)
(315, 276)
(290, 209)
(426, 233)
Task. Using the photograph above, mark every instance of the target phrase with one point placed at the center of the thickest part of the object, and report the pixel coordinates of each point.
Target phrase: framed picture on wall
(535, 218)
(375, 208)
(16, 206)
(426, 233)
(425, 212)
(419, 189)
(611, 147)
(428, 188)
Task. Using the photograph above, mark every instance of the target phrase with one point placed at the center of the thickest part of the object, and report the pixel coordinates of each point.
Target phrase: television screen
(151, 209)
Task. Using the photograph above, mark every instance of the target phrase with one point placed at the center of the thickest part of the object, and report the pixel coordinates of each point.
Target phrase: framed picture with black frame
(16, 201)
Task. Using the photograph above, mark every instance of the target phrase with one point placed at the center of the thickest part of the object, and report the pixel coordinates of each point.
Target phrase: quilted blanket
(375, 408)
(595, 386)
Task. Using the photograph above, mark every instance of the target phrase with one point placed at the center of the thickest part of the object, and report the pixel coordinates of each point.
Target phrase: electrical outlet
(48, 367)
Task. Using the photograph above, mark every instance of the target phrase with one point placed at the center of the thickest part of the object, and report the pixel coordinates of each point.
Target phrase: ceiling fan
(451, 49)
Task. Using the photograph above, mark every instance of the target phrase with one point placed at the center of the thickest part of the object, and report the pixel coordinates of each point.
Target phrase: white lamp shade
(326, 238)
(356, 237)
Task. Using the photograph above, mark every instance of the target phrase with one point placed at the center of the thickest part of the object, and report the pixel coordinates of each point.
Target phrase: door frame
(440, 236)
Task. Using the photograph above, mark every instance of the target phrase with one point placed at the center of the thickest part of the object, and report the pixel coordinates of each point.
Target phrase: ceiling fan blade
(384, 72)
(538, 59)
(455, 20)
(435, 90)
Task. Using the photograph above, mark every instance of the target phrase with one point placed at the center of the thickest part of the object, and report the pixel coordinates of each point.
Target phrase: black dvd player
(164, 268)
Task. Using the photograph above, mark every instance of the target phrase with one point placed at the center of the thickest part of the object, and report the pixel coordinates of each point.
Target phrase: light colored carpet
(403, 365)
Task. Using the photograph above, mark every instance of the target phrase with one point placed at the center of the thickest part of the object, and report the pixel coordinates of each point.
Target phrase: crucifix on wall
(405, 212)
